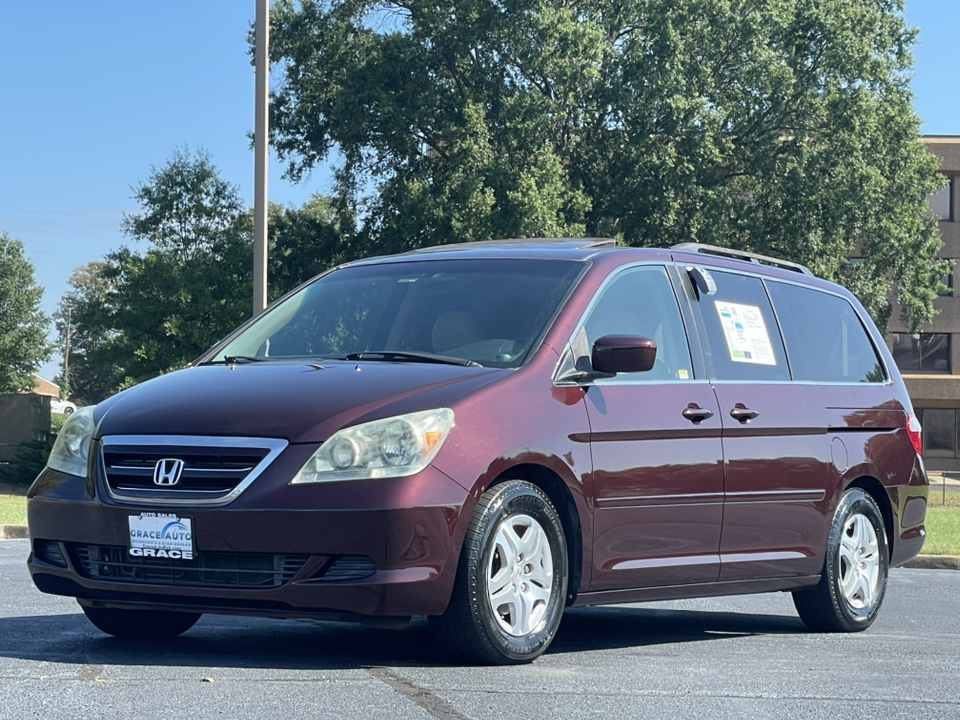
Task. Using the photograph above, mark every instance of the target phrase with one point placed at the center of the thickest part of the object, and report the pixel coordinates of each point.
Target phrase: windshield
(489, 312)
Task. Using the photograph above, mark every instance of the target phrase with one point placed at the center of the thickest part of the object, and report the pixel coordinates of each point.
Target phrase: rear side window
(745, 342)
(825, 339)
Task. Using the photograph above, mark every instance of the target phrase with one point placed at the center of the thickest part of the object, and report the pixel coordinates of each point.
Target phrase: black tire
(141, 624)
(472, 627)
(829, 607)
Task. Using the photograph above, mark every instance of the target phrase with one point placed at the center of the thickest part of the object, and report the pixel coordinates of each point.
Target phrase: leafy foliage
(134, 315)
(31, 455)
(29, 460)
(306, 241)
(138, 315)
(23, 326)
(90, 376)
(56, 423)
(779, 126)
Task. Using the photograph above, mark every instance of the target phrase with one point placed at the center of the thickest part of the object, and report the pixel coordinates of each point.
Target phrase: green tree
(306, 241)
(778, 126)
(82, 311)
(23, 326)
(137, 315)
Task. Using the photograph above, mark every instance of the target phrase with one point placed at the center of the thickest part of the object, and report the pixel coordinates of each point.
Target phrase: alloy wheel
(859, 561)
(520, 575)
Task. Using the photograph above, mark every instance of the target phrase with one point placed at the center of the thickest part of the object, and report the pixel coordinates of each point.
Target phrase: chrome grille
(215, 469)
(131, 469)
(209, 569)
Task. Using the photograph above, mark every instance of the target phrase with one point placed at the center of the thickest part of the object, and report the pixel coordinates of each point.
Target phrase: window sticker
(746, 333)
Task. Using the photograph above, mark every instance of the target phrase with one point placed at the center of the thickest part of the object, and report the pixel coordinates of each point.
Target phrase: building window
(941, 202)
(941, 432)
(922, 353)
(946, 291)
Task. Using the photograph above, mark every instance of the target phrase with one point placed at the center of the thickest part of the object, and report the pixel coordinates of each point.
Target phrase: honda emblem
(167, 471)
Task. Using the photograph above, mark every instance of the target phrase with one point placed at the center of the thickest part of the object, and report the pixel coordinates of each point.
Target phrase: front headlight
(394, 447)
(71, 451)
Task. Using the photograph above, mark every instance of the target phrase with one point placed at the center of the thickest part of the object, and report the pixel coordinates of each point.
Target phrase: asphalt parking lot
(742, 657)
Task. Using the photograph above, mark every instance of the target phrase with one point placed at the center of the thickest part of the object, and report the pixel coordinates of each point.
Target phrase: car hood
(295, 401)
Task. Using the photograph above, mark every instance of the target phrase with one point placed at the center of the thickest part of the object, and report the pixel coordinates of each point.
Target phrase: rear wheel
(141, 624)
(512, 579)
(854, 577)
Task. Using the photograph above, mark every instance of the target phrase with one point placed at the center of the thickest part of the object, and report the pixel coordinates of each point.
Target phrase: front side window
(745, 341)
(922, 352)
(641, 302)
(825, 339)
(489, 312)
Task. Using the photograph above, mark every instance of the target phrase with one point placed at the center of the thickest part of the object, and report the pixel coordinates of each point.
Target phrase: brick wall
(25, 416)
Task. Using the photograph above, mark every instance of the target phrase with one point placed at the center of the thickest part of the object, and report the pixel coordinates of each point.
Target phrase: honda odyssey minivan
(486, 434)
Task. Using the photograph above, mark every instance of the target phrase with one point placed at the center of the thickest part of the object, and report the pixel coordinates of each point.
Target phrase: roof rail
(694, 247)
(576, 243)
(598, 242)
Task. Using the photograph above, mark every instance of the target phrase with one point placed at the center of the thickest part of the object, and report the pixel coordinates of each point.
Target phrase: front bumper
(406, 531)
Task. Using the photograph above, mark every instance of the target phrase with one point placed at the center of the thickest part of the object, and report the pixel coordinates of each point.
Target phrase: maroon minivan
(488, 433)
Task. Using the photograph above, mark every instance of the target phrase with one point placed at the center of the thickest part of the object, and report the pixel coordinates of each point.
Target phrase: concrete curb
(13, 532)
(935, 562)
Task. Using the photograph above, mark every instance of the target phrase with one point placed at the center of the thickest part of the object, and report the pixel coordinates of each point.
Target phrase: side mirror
(623, 353)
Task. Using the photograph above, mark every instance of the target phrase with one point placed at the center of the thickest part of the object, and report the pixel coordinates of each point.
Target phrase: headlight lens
(395, 447)
(71, 450)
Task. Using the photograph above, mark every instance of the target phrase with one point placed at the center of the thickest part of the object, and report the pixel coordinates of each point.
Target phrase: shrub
(30, 459)
(56, 422)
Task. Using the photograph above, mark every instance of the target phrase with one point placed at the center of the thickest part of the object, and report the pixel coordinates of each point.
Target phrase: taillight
(915, 432)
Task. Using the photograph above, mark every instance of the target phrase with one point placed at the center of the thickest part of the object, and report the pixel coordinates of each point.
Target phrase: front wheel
(512, 579)
(854, 578)
(140, 624)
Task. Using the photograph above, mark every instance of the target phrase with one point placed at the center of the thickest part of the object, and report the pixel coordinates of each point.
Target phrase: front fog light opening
(50, 552)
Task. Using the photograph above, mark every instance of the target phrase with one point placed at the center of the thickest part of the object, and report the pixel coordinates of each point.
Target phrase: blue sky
(97, 92)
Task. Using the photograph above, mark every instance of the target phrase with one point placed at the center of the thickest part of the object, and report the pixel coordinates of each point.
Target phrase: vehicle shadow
(617, 627)
(235, 642)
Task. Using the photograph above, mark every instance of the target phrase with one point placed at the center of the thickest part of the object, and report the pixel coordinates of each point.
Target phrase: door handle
(696, 414)
(742, 413)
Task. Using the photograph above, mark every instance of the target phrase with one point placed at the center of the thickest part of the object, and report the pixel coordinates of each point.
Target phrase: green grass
(13, 505)
(943, 523)
(939, 498)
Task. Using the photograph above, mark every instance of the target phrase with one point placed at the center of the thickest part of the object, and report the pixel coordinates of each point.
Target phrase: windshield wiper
(235, 360)
(389, 355)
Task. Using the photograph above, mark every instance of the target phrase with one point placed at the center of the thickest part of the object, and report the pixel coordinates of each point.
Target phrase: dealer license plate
(161, 535)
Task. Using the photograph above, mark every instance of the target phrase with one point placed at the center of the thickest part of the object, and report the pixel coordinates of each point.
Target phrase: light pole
(65, 389)
(260, 146)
